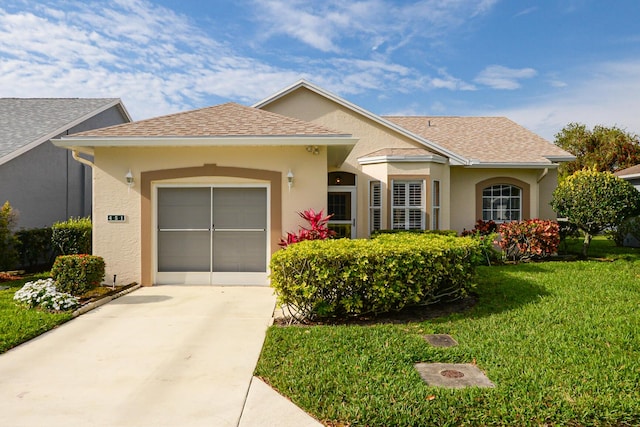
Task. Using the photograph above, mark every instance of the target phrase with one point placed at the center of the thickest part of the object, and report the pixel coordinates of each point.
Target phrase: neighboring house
(204, 196)
(631, 174)
(42, 182)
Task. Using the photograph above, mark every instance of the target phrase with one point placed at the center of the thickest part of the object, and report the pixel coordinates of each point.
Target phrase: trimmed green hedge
(452, 233)
(72, 236)
(77, 274)
(338, 278)
(35, 247)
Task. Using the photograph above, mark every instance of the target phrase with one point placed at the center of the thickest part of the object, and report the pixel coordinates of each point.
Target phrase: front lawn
(559, 340)
(19, 324)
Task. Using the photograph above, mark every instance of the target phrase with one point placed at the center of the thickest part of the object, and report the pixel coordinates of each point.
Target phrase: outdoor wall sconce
(313, 149)
(129, 178)
(290, 179)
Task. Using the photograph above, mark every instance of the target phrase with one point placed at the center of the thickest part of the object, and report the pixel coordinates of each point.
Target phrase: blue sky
(542, 63)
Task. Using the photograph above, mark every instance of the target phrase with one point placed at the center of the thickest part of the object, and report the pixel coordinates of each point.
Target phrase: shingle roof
(633, 170)
(28, 120)
(229, 119)
(487, 139)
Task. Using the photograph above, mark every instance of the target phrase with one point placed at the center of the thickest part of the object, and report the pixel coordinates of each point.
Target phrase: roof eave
(226, 140)
(454, 158)
(402, 159)
(560, 158)
(476, 164)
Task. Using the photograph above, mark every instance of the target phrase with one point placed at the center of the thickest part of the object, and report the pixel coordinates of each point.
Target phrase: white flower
(43, 293)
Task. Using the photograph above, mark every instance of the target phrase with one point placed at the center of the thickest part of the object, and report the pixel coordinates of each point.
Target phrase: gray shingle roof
(26, 120)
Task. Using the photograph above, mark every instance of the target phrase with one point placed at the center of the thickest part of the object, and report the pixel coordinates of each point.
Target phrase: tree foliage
(595, 201)
(605, 149)
(8, 240)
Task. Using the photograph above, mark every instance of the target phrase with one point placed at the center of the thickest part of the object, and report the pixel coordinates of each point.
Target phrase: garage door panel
(184, 251)
(184, 208)
(235, 208)
(239, 251)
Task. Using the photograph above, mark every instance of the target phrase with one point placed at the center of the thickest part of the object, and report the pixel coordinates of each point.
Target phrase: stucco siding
(307, 105)
(120, 243)
(44, 185)
(463, 186)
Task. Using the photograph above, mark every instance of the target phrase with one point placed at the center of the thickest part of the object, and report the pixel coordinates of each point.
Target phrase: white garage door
(212, 235)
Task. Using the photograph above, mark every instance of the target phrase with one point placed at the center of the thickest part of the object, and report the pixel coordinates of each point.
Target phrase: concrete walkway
(159, 356)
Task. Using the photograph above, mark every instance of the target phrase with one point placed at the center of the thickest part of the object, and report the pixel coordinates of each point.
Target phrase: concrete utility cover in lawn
(453, 375)
(441, 340)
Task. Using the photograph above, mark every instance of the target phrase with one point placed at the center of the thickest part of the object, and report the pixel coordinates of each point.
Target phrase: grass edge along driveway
(559, 339)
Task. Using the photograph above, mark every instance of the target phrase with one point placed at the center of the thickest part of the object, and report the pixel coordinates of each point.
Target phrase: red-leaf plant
(317, 229)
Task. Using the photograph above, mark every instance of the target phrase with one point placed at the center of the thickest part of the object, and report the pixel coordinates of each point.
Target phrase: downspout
(76, 156)
(542, 175)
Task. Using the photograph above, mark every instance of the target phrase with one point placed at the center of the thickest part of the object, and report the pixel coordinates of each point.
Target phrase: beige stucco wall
(307, 105)
(463, 202)
(120, 243)
(546, 187)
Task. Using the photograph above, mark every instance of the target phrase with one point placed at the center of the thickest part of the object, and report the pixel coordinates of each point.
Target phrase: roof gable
(467, 141)
(454, 158)
(225, 120)
(28, 122)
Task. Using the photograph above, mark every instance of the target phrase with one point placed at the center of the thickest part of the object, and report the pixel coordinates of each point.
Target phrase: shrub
(482, 228)
(353, 277)
(77, 274)
(43, 293)
(451, 233)
(8, 241)
(317, 230)
(35, 247)
(72, 237)
(532, 238)
(631, 226)
(595, 201)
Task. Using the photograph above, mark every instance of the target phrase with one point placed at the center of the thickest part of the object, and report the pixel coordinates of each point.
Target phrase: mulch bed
(406, 315)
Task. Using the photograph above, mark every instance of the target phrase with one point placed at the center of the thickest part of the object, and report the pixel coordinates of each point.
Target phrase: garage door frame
(211, 277)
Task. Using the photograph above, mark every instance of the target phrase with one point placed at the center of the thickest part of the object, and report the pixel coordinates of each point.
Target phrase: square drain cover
(441, 340)
(453, 375)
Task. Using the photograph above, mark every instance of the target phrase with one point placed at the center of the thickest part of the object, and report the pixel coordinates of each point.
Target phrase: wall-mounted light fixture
(313, 149)
(290, 179)
(129, 178)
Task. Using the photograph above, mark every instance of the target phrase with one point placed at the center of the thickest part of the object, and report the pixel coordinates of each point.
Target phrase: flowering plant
(42, 293)
(317, 230)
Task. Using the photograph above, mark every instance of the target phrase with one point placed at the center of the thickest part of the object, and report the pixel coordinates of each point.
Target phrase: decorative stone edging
(102, 301)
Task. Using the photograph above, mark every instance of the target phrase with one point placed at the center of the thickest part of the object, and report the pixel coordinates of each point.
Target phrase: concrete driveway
(160, 356)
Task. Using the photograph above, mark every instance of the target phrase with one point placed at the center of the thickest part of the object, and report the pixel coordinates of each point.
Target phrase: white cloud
(332, 25)
(500, 77)
(608, 94)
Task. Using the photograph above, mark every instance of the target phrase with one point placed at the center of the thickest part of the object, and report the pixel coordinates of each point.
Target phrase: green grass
(561, 341)
(19, 324)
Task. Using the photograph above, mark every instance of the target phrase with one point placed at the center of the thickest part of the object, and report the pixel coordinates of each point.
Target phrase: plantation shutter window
(375, 206)
(502, 203)
(435, 205)
(407, 205)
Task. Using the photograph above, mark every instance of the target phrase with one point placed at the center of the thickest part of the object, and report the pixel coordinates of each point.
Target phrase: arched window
(501, 203)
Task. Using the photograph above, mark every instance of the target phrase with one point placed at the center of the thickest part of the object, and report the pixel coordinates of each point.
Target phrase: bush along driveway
(558, 339)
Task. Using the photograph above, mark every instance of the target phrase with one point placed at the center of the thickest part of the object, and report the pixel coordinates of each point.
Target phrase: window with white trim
(407, 205)
(502, 203)
(375, 206)
(435, 205)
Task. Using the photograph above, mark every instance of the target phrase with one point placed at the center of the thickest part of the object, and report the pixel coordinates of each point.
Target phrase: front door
(212, 235)
(341, 203)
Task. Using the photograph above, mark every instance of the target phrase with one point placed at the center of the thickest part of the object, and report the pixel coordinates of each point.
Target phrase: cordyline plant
(317, 229)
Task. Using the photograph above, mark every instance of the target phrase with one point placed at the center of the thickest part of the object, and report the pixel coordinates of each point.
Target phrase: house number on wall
(116, 218)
